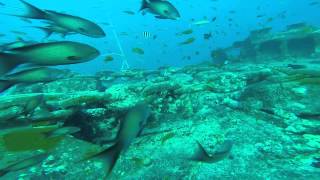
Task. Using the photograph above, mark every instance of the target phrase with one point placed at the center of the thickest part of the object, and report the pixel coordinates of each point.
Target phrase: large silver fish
(162, 9)
(66, 21)
(30, 76)
(53, 53)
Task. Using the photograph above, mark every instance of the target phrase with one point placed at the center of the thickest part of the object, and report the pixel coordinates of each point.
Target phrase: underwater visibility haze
(159, 89)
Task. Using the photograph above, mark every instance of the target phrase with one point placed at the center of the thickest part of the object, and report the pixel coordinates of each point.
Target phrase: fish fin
(47, 31)
(63, 35)
(26, 48)
(18, 38)
(200, 153)
(27, 66)
(49, 23)
(160, 17)
(140, 132)
(145, 5)
(3, 172)
(33, 12)
(4, 85)
(31, 105)
(8, 62)
(110, 156)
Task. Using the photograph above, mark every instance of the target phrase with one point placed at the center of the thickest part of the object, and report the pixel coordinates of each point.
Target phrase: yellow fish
(185, 32)
(138, 51)
(30, 139)
(188, 41)
(108, 58)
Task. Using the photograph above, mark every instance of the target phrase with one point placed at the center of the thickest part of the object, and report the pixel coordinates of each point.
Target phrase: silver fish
(23, 164)
(72, 23)
(52, 53)
(30, 76)
(130, 128)
(162, 9)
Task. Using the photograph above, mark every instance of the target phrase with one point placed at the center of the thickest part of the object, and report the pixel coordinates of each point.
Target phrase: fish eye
(166, 11)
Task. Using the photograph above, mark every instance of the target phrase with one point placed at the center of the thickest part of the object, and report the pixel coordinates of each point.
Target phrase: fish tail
(3, 172)
(31, 105)
(33, 12)
(144, 5)
(110, 156)
(7, 63)
(200, 153)
(4, 85)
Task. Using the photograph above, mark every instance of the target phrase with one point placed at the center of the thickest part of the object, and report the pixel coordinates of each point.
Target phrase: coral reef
(271, 117)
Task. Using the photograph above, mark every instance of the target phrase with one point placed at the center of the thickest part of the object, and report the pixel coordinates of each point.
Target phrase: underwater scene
(159, 89)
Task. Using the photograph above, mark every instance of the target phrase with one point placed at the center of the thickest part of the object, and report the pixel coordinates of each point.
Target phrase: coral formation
(270, 119)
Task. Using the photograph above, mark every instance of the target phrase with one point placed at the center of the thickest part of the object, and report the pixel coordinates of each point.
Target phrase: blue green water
(225, 32)
(182, 100)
